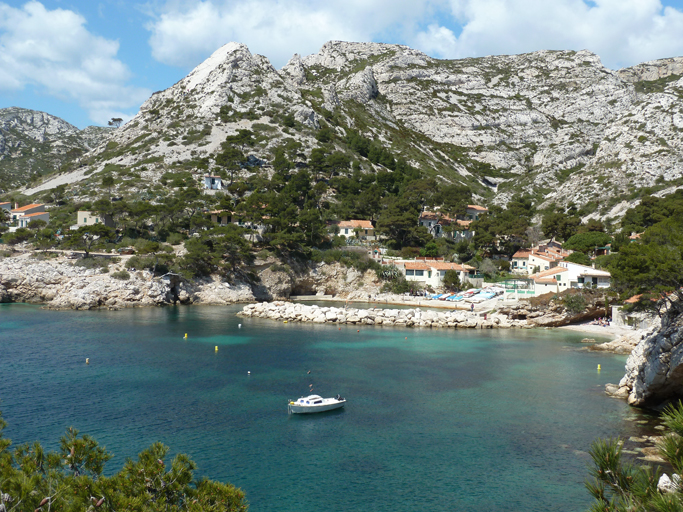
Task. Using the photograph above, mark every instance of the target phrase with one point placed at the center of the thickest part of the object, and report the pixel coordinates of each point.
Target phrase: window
(429, 273)
(410, 272)
(419, 272)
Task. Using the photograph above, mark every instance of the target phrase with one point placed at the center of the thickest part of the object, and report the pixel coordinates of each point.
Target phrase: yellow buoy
(216, 348)
(285, 321)
(185, 335)
(598, 367)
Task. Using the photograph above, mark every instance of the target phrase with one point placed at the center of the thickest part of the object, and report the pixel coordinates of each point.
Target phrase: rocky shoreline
(294, 312)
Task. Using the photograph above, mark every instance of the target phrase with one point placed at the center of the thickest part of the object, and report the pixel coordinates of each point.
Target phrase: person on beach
(472, 308)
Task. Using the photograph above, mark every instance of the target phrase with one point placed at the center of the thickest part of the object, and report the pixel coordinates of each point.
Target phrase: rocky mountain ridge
(34, 143)
(553, 124)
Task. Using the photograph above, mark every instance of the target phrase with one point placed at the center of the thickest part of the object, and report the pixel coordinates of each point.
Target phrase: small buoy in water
(285, 321)
(239, 326)
(598, 367)
(248, 372)
(340, 328)
(308, 372)
(87, 360)
(185, 335)
(406, 337)
(358, 330)
(216, 348)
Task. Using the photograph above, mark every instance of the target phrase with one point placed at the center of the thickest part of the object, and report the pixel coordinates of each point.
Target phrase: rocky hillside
(35, 143)
(554, 124)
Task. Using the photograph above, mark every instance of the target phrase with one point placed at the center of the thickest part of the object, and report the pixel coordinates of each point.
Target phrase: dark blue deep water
(443, 420)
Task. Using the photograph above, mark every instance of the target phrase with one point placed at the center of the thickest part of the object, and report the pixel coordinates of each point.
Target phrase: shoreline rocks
(294, 312)
(654, 370)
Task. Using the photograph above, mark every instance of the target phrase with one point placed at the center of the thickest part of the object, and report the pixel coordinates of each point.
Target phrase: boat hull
(295, 408)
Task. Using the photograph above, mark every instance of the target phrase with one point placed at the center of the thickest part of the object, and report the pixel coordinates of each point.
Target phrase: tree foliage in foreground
(618, 486)
(71, 479)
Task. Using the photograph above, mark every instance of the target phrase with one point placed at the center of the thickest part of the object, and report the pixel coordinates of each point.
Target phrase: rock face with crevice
(654, 370)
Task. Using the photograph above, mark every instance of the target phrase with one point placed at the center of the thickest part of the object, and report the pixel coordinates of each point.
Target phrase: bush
(578, 257)
(575, 303)
(92, 262)
(122, 275)
(175, 239)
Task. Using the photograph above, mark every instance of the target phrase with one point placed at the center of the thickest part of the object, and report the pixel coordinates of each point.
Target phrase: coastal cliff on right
(654, 370)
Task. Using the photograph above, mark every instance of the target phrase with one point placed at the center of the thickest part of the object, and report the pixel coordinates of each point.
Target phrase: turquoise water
(443, 420)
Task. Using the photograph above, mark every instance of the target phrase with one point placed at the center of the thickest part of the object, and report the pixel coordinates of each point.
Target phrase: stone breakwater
(292, 312)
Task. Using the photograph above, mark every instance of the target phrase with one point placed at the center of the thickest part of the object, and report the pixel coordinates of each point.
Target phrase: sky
(87, 61)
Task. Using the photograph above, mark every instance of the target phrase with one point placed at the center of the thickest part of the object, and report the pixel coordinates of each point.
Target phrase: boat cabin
(310, 400)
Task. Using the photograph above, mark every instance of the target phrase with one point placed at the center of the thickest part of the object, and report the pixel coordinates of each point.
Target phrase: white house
(474, 211)
(213, 182)
(520, 262)
(578, 276)
(89, 218)
(26, 219)
(547, 281)
(432, 272)
(347, 228)
(542, 257)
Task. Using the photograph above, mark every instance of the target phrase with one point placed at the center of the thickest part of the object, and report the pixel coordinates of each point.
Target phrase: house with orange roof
(25, 210)
(25, 220)
(520, 262)
(432, 272)
(18, 212)
(548, 281)
(473, 211)
(349, 228)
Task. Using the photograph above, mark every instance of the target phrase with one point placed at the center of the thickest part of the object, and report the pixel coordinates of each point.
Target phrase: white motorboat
(314, 403)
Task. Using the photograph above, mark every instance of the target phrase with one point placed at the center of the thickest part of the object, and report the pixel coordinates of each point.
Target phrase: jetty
(282, 311)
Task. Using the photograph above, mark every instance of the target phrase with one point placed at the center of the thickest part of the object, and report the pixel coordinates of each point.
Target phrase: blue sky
(87, 61)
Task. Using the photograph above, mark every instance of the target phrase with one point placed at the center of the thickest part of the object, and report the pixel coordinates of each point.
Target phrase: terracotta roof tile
(416, 265)
(363, 224)
(27, 207)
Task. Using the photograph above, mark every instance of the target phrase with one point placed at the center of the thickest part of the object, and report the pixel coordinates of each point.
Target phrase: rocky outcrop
(654, 370)
(293, 312)
(548, 311)
(62, 285)
(621, 345)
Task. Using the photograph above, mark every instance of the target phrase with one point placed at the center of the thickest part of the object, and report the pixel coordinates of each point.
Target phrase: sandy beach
(612, 331)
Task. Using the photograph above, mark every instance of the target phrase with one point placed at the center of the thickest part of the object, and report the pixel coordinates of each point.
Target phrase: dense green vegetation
(618, 486)
(73, 478)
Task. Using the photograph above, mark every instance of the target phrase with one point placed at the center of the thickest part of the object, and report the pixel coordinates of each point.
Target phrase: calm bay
(436, 420)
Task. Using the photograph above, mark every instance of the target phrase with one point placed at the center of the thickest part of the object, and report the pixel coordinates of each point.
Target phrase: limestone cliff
(554, 124)
(654, 370)
(34, 143)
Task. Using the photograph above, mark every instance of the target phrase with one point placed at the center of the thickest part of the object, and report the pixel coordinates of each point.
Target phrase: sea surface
(436, 420)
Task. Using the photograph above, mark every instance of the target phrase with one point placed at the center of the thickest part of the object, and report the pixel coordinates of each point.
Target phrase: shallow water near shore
(468, 420)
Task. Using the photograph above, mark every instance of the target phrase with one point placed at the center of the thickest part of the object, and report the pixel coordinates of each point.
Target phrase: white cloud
(52, 49)
(621, 32)
(186, 33)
